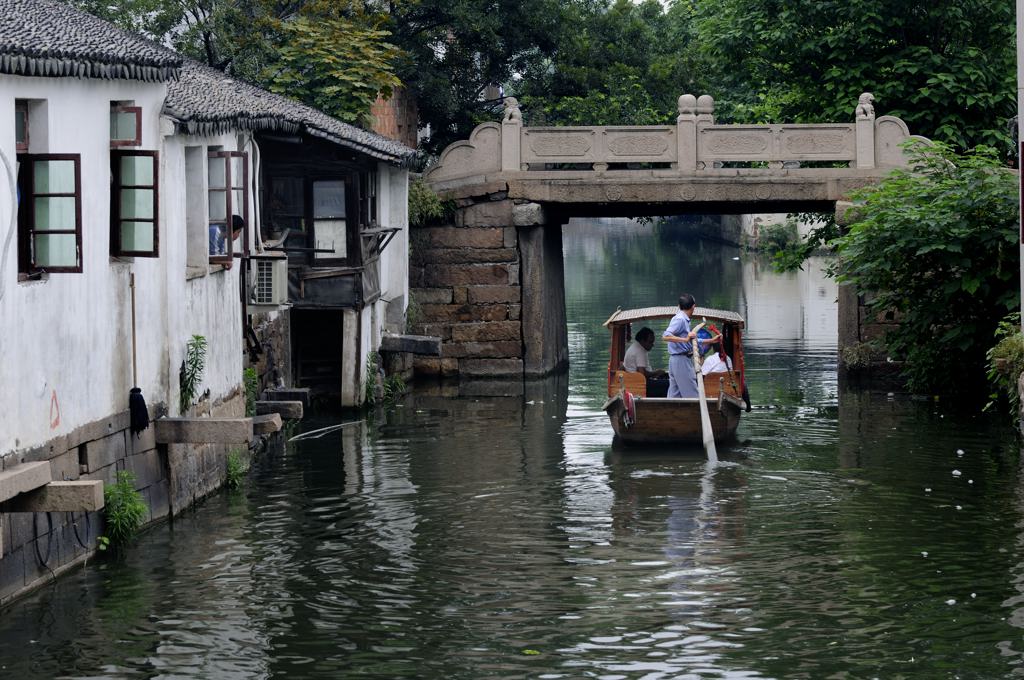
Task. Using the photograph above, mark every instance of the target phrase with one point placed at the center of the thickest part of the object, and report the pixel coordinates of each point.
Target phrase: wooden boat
(658, 419)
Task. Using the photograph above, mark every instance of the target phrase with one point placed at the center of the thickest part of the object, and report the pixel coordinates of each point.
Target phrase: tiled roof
(50, 39)
(205, 101)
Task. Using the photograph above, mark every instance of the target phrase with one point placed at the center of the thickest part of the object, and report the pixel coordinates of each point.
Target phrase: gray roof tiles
(50, 39)
(206, 101)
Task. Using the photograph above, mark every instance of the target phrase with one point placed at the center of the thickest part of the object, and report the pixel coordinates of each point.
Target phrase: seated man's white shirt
(714, 364)
(636, 357)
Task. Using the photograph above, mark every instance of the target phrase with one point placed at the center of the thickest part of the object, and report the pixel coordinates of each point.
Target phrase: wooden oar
(705, 418)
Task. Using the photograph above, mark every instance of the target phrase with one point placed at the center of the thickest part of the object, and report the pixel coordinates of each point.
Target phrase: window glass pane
(21, 124)
(218, 168)
(55, 213)
(54, 177)
(137, 170)
(218, 206)
(218, 241)
(137, 236)
(55, 250)
(122, 126)
(238, 202)
(330, 235)
(136, 203)
(237, 176)
(328, 199)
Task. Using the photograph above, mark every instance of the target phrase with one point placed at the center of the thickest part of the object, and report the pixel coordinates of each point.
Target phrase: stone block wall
(36, 546)
(465, 282)
(274, 365)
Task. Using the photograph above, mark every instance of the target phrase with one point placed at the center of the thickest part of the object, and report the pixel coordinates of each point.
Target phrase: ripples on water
(505, 537)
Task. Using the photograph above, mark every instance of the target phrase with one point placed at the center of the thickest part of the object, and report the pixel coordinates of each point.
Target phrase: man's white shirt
(636, 356)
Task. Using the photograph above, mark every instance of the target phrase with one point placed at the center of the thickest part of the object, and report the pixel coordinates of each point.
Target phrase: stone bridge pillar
(542, 277)
(491, 286)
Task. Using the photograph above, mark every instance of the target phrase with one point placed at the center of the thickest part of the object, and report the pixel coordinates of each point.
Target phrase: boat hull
(673, 421)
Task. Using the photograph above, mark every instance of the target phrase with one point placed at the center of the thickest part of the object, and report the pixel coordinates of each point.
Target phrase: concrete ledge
(22, 478)
(288, 394)
(266, 423)
(413, 344)
(203, 430)
(80, 496)
(289, 410)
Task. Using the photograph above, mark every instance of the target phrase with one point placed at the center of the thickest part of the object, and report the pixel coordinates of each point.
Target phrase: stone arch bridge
(491, 283)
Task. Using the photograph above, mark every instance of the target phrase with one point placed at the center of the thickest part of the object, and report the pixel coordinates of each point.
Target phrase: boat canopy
(623, 316)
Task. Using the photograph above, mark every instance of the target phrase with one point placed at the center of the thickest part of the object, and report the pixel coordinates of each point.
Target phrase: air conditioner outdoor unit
(268, 282)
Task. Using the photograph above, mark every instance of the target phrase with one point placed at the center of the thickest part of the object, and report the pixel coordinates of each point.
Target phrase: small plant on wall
(236, 469)
(191, 373)
(252, 390)
(124, 511)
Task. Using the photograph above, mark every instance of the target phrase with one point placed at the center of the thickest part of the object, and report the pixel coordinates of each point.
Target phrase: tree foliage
(455, 50)
(334, 64)
(334, 56)
(620, 63)
(938, 244)
(945, 66)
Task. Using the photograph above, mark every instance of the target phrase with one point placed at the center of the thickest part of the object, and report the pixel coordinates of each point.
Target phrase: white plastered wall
(65, 341)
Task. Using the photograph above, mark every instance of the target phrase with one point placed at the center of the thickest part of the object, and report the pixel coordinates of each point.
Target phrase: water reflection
(491, 530)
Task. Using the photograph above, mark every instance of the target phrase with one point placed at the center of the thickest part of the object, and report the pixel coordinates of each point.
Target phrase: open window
(49, 213)
(134, 203)
(125, 125)
(228, 176)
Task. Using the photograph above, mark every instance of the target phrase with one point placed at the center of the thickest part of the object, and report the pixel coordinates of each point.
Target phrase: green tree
(334, 56)
(945, 66)
(334, 64)
(456, 50)
(938, 244)
(622, 63)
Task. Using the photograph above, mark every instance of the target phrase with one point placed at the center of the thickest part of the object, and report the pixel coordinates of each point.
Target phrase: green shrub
(191, 372)
(425, 206)
(1006, 364)
(937, 243)
(124, 511)
(252, 388)
(236, 469)
(776, 237)
(859, 355)
(394, 388)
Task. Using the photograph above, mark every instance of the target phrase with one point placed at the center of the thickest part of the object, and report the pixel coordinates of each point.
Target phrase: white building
(330, 195)
(121, 166)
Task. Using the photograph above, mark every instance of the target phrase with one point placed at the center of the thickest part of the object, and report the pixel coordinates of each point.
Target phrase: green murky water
(499, 534)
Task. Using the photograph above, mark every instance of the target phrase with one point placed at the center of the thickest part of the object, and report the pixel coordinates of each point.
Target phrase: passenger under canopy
(651, 417)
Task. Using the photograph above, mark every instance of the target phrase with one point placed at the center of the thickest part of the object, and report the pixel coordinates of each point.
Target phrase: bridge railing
(694, 145)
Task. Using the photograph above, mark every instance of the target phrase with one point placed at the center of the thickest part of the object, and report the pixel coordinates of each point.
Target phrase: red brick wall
(397, 117)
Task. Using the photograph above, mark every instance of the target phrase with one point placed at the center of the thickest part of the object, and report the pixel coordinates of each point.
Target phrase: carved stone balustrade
(694, 147)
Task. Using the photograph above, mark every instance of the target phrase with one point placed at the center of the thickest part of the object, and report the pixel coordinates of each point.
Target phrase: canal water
(493, 530)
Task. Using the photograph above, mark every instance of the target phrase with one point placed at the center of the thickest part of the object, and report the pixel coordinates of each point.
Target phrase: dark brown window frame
(229, 189)
(369, 187)
(137, 110)
(21, 109)
(115, 202)
(26, 213)
(351, 238)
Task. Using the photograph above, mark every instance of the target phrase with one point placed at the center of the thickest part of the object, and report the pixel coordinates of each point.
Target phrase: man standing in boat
(682, 379)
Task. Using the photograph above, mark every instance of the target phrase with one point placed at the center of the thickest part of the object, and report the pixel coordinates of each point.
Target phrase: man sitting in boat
(637, 361)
